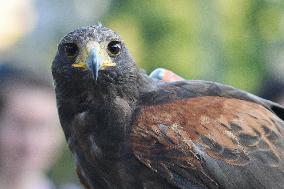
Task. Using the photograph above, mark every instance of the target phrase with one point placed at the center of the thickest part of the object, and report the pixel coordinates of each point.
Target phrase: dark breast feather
(82, 178)
(211, 142)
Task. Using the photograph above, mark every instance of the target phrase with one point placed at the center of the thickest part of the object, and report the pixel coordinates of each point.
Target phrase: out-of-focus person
(30, 138)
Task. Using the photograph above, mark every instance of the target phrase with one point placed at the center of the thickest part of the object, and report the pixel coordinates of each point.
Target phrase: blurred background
(240, 43)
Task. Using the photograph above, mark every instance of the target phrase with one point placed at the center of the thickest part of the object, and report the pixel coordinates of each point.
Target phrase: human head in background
(30, 137)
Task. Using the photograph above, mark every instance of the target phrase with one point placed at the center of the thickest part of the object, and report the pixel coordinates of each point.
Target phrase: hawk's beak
(97, 59)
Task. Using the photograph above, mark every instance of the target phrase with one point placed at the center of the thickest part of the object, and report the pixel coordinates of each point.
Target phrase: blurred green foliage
(64, 171)
(223, 40)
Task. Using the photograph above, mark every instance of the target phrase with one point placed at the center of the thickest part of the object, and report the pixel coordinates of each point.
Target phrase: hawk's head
(93, 54)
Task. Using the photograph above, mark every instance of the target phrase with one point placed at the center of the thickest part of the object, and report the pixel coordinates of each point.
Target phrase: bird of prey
(127, 130)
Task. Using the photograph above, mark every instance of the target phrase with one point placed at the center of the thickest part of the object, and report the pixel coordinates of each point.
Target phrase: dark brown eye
(71, 49)
(114, 48)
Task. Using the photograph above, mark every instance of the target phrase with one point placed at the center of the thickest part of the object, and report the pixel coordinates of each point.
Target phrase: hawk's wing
(197, 88)
(210, 137)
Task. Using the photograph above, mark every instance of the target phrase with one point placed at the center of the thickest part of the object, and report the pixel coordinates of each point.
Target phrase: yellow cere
(107, 64)
(80, 65)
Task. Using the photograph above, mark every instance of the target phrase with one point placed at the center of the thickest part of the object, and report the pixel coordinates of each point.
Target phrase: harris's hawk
(127, 130)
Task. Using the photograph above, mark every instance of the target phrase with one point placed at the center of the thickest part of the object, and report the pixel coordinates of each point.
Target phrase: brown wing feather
(231, 130)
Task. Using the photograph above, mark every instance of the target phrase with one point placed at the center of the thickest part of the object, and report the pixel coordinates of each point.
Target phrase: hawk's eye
(71, 49)
(114, 48)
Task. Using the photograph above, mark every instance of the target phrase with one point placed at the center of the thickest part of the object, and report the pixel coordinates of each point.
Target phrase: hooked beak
(94, 59)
